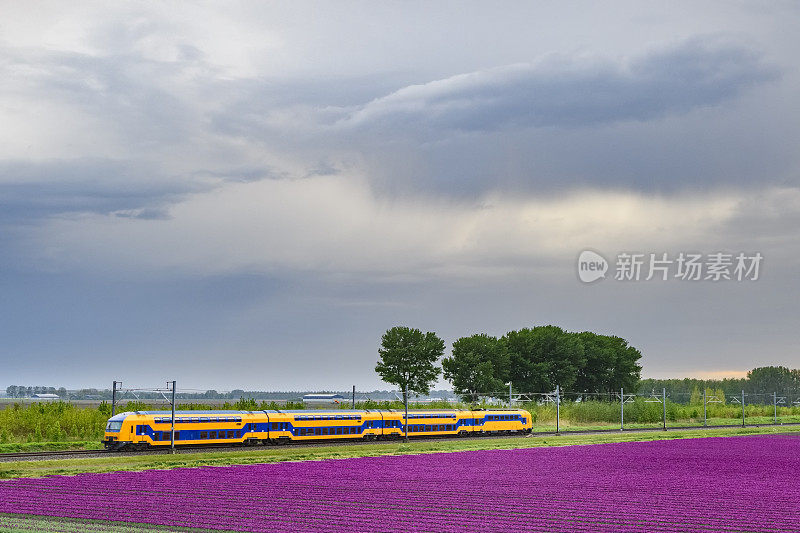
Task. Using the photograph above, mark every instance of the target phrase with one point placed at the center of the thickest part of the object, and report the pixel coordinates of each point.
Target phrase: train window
(318, 431)
(204, 434)
(212, 435)
(203, 419)
(195, 419)
(177, 435)
(522, 420)
(237, 419)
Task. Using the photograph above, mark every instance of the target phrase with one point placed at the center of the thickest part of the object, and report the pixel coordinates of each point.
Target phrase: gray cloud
(191, 185)
(567, 92)
(31, 190)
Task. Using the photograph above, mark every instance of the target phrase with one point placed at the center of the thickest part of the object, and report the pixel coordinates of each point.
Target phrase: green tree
(769, 379)
(609, 363)
(696, 397)
(543, 357)
(408, 359)
(478, 364)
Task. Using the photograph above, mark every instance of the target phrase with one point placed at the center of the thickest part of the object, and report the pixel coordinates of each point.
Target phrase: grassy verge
(272, 455)
(15, 523)
(49, 446)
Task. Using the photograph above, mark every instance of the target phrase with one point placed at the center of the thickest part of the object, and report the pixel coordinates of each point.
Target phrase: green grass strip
(16, 523)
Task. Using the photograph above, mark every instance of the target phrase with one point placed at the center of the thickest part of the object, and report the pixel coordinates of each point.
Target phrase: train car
(146, 429)
(322, 425)
(501, 421)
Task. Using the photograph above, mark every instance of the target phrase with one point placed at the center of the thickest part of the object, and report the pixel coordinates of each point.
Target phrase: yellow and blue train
(146, 429)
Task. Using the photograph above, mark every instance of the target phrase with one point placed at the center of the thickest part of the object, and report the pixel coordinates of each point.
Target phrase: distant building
(44, 396)
(323, 398)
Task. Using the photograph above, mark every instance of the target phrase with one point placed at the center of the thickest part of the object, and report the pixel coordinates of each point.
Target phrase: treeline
(531, 359)
(21, 391)
(764, 380)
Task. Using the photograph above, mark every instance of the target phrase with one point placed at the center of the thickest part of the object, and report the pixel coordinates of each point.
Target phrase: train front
(112, 439)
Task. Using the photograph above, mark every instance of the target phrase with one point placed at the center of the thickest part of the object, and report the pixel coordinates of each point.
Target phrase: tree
(543, 357)
(625, 368)
(769, 379)
(408, 359)
(696, 398)
(478, 364)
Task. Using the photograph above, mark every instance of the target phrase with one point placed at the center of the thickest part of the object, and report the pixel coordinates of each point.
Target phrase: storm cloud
(223, 193)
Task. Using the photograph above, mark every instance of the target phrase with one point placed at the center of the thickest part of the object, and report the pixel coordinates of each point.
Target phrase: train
(142, 430)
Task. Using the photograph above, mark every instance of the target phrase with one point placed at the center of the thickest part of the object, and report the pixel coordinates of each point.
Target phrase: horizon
(196, 388)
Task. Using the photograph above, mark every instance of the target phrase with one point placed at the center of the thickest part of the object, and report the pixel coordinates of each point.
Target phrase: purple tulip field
(708, 484)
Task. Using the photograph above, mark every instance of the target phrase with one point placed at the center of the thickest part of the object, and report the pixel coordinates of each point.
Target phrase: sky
(248, 195)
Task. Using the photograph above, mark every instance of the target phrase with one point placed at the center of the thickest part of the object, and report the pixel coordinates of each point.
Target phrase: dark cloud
(565, 92)
(31, 190)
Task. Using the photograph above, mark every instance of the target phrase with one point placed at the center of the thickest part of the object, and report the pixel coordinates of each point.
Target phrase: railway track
(16, 456)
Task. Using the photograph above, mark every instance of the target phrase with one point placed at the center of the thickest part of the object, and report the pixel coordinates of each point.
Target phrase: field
(744, 483)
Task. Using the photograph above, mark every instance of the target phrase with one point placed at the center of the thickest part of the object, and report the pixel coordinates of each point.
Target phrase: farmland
(708, 484)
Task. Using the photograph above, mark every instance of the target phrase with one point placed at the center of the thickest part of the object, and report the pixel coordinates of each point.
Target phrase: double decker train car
(147, 429)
